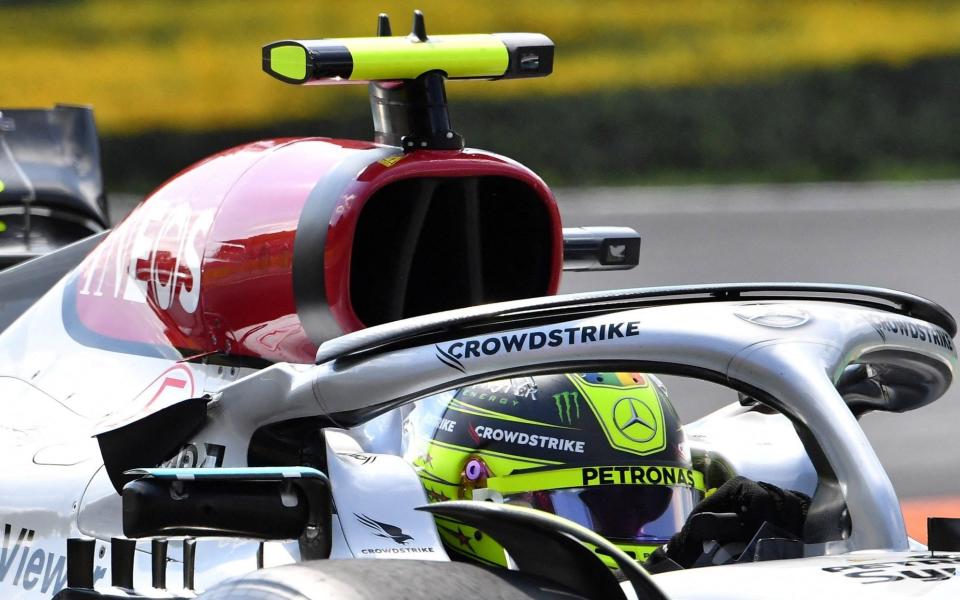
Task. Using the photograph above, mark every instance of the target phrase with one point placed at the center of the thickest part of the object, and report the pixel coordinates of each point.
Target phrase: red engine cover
(248, 252)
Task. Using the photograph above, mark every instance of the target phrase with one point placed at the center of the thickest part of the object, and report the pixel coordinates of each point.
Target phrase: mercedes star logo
(634, 419)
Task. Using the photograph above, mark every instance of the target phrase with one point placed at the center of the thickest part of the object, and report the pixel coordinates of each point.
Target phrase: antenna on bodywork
(407, 74)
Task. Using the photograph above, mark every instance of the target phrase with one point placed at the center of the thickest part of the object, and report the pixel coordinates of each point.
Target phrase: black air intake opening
(430, 244)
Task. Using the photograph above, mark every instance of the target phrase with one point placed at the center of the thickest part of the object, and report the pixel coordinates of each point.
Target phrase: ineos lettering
(158, 258)
(163, 292)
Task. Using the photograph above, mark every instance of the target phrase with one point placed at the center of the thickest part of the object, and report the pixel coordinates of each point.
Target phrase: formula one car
(214, 390)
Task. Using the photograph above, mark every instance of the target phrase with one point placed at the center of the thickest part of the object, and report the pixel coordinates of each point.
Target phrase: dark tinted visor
(641, 513)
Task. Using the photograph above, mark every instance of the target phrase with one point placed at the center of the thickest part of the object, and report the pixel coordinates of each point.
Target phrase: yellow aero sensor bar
(360, 60)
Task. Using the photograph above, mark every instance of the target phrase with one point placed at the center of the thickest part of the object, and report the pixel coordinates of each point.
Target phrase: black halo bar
(477, 320)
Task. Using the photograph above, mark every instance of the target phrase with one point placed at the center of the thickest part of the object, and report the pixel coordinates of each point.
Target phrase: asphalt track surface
(902, 236)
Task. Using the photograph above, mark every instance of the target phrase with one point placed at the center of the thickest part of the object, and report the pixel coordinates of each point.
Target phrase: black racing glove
(744, 506)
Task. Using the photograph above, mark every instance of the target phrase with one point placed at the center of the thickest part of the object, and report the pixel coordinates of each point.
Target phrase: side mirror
(600, 248)
(266, 503)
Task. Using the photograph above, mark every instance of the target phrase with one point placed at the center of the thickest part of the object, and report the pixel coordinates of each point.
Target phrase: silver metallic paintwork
(859, 576)
(795, 365)
(384, 488)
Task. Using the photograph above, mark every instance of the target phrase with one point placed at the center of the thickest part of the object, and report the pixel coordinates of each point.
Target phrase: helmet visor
(642, 514)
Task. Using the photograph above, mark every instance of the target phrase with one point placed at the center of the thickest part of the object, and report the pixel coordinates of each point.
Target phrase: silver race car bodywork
(158, 388)
(816, 361)
(791, 355)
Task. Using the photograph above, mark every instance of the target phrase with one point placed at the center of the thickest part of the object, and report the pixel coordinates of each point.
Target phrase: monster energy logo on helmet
(563, 401)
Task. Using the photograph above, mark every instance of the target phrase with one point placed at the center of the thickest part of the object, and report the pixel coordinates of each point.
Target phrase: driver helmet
(605, 450)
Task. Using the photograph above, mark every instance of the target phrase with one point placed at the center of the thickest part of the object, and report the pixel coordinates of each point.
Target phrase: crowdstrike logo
(548, 442)
(390, 532)
(404, 550)
(616, 253)
(453, 354)
(924, 333)
(450, 360)
(878, 327)
(384, 530)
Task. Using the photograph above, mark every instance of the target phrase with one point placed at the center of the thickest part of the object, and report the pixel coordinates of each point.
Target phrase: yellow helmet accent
(605, 450)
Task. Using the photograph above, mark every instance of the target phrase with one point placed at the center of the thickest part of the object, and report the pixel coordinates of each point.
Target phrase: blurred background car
(51, 188)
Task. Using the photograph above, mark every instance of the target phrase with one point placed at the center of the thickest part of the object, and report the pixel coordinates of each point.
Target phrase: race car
(205, 401)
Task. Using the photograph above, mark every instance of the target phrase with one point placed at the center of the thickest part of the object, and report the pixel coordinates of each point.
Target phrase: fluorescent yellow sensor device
(387, 58)
(407, 75)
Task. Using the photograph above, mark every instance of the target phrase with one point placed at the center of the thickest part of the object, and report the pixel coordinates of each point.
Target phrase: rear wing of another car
(51, 186)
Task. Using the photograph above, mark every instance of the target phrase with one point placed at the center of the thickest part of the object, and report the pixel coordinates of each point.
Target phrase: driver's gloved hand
(751, 504)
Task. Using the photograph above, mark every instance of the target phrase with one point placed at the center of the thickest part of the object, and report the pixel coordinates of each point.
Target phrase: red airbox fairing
(267, 250)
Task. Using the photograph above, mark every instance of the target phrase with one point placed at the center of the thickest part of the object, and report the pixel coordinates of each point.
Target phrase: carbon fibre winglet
(167, 429)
